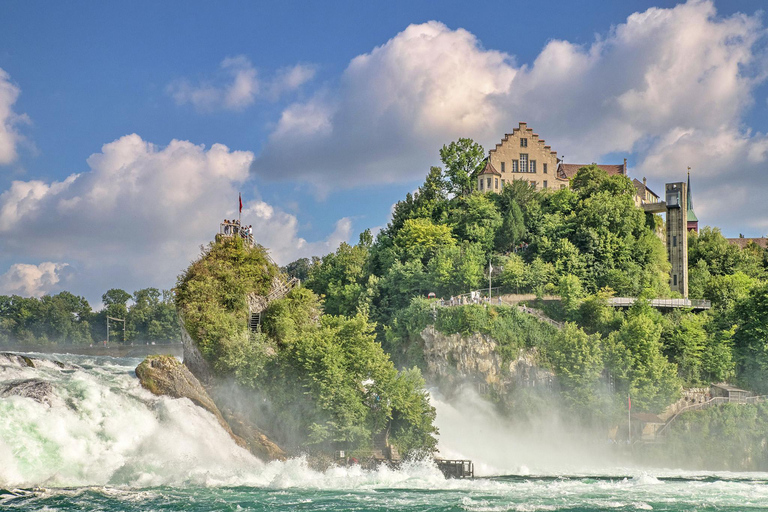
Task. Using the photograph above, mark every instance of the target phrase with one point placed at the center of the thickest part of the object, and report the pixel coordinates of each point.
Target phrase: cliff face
(455, 359)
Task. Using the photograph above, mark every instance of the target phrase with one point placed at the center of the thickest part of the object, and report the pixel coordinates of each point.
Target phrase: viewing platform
(231, 229)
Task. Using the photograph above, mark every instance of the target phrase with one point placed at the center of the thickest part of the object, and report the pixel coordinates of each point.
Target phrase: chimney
(645, 187)
(625, 167)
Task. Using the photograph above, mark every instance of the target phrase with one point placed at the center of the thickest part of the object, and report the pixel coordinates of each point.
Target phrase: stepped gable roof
(639, 187)
(489, 168)
(523, 131)
(743, 242)
(568, 171)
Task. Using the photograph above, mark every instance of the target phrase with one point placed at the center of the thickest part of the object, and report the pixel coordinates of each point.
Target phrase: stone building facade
(521, 155)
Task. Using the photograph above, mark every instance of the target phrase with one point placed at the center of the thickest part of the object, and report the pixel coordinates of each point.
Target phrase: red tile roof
(743, 242)
(489, 168)
(568, 171)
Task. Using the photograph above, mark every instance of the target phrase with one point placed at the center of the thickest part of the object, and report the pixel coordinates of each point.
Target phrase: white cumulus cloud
(31, 280)
(140, 212)
(9, 135)
(669, 87)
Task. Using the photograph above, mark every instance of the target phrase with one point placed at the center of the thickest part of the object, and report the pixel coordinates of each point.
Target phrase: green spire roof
(691, 216)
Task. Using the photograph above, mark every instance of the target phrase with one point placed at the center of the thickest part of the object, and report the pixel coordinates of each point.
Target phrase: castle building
(521, 155)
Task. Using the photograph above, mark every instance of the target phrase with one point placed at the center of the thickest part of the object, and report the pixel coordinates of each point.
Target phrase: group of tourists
(233, 228)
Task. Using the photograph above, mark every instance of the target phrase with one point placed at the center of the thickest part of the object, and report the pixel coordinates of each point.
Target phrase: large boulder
(167, 376)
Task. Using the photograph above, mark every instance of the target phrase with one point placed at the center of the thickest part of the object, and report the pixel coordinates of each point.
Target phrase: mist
(543, 443)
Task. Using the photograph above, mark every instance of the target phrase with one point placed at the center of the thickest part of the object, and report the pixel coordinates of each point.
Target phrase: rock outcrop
(167, 376)
(455, 359)
(36, 389)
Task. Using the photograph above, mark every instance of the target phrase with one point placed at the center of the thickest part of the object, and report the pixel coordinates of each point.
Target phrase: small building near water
(645, 426)
(733, 394)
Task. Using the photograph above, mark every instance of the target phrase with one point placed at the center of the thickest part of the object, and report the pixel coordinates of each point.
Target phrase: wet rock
(166, 375)
(193, 359)
(38, 390)
(16, 359)
(258, 443)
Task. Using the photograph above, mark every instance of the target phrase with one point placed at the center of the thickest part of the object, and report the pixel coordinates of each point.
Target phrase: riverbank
(114, 350)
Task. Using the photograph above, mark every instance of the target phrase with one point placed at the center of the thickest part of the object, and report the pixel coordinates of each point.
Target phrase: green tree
(462, 161)
(751, 338)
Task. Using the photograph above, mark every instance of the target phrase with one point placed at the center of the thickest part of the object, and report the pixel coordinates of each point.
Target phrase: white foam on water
(103, 431)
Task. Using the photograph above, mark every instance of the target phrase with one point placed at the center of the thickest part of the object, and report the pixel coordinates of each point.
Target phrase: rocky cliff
(456, 359)
(166, 375)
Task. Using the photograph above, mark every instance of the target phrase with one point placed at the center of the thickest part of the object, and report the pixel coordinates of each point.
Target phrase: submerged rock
(17, 360)
(167, 376)
(38, 390)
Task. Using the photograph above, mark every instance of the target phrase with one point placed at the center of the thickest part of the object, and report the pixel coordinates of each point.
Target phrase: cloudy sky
(128, 130)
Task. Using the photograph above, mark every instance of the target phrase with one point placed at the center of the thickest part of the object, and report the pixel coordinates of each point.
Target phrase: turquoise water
(99, 441)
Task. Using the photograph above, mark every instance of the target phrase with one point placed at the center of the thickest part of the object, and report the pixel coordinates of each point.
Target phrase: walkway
(695, 304)
(476, 297)
(718, 400)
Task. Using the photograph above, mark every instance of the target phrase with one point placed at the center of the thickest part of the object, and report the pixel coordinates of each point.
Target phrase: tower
(677, 236)
(691, 220)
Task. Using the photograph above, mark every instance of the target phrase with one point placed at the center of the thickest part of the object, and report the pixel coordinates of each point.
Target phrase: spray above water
(471, 428)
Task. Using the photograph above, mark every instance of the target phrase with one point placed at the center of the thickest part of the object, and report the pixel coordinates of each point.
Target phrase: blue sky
(127, 130)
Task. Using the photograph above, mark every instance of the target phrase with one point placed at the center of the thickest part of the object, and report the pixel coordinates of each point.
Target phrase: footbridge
(694, 304)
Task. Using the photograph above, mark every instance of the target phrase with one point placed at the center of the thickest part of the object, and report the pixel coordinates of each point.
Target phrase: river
(95, 440)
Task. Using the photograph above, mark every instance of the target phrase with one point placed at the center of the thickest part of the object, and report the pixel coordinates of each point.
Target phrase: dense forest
(64, 318)
(585, 243)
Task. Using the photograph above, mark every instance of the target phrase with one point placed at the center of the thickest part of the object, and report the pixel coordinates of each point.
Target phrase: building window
(544, 185)
(674, 240)
(545, 168)
(533, 185)
(523, 143)
(515, 166)
(503, 182)
(523, 162)
(481, 183)
(488, 183)
(502, 167)
(674, 280)
(497, 183)
(533, 166)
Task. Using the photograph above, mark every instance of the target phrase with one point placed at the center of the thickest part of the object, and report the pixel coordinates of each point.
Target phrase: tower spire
(693, 221)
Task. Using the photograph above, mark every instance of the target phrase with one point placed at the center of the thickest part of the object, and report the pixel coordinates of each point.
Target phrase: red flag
(629, 401)
(241, 202)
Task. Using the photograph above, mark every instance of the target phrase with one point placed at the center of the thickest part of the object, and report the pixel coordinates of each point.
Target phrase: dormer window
(523, 143)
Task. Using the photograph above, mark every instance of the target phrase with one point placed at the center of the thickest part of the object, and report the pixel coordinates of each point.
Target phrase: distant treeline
(65, 318)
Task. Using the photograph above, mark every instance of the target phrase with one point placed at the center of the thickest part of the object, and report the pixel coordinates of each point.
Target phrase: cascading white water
(98, 426)
(101, 427)
(94, 439)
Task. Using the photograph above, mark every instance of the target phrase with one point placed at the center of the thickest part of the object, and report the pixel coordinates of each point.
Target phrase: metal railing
(231, 230)
(662, 303)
